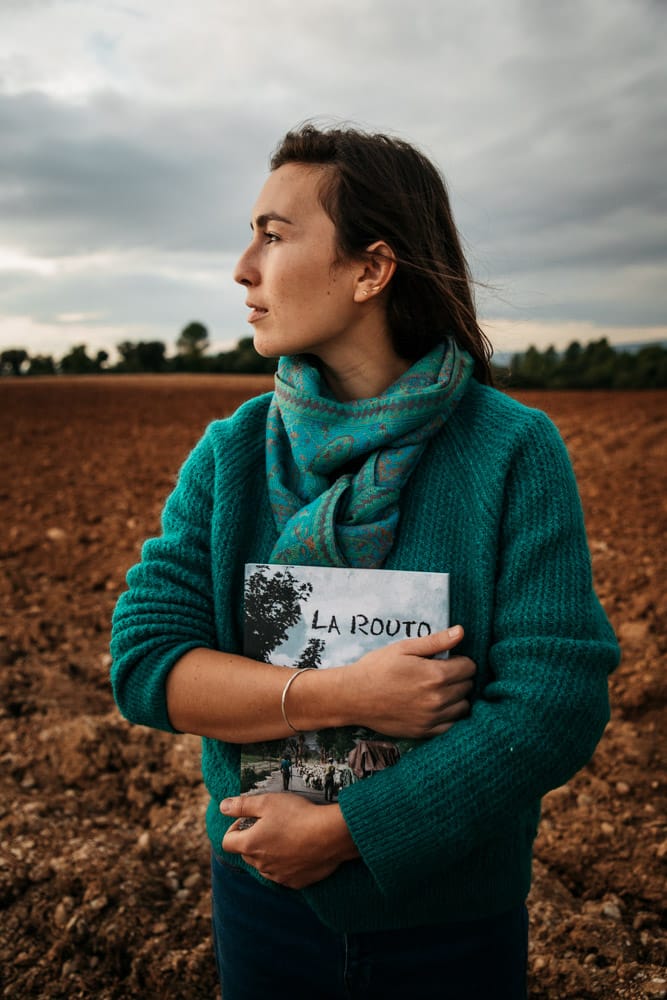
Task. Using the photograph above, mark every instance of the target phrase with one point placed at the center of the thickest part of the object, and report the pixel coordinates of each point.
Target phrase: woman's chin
(264, 348)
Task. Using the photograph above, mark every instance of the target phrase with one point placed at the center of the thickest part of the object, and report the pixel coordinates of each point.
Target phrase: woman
(383, 445)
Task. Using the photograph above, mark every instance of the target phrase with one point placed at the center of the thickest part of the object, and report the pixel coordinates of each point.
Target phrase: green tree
(144, 356)
(101, 359)
(243, 359)
(12, 360)
(528, 369)
(572, 353)
(126, 349)
(193, 340)
(651, 367)
(77, 362)
(599, 361)
(597, 365)
(567, 373)
(42, 364)
(549, 362)
(151, 355)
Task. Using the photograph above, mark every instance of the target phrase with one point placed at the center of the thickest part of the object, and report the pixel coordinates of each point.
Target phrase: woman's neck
(363, 381)
(363, 374)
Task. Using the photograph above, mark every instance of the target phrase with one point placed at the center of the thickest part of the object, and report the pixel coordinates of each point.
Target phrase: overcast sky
(135, 135)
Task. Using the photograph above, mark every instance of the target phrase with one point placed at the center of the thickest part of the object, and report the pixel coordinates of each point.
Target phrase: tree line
(596, 365)
(142, 357)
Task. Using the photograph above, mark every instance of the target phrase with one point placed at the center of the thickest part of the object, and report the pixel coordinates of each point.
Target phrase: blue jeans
(271, 945)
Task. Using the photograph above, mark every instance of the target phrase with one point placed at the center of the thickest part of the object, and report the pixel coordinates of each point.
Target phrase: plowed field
(103, 856)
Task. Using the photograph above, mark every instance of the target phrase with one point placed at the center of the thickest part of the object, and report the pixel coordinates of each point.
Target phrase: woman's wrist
(283, 701)
(317, 700)
(337, 841)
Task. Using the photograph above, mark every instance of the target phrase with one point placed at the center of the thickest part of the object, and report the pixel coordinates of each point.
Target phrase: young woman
(383, 445)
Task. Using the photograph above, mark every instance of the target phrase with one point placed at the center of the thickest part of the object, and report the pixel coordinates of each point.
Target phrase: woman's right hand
(402, 691)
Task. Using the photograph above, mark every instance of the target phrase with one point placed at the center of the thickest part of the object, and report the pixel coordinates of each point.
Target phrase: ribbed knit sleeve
(168, 607)
(543, 705)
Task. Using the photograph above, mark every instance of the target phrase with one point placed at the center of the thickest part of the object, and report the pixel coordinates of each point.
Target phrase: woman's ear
(377, 272)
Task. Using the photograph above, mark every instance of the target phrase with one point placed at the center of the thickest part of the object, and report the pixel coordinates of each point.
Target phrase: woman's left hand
(292, 841)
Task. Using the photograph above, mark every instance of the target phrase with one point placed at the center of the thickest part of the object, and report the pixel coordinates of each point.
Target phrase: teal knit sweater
(445, 834)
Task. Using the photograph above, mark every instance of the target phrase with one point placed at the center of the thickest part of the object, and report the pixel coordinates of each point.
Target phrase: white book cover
(312, 616)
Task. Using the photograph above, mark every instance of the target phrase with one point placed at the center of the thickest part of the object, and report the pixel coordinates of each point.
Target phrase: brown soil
(103, 857)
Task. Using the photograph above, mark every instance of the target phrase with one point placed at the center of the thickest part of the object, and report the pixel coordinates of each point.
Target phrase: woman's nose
(245, 272)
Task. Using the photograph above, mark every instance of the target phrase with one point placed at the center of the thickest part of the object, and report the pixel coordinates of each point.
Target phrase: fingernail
(225, 805)
(454, 631)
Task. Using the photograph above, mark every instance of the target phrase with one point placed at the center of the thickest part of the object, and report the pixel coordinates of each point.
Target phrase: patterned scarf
(335, 470)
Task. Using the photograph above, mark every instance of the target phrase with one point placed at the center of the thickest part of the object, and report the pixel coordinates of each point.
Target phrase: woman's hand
(400, 690)
(292, 841)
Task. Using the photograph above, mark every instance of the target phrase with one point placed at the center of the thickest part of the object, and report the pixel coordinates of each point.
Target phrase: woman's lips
(256, 313)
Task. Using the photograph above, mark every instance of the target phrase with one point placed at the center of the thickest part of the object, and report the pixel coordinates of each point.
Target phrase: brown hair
(382, 188)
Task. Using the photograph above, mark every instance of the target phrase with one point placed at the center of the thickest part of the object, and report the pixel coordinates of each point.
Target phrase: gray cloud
(109, 175)
(547, 119)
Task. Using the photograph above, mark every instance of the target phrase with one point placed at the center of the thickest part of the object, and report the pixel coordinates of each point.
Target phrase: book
(313, 616)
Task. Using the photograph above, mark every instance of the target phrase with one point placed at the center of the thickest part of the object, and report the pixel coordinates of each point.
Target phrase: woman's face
(301, 300)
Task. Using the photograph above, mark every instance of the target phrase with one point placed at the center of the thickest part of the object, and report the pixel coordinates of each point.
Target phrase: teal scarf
(335, 470)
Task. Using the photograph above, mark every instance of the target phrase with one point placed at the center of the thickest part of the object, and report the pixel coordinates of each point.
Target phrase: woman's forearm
(230, 697)
(399, 690)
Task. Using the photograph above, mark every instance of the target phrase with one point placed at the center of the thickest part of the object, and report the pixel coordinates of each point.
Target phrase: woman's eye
(271, 237)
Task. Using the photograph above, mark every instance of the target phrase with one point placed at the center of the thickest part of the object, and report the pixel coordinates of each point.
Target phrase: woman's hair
(382, 188)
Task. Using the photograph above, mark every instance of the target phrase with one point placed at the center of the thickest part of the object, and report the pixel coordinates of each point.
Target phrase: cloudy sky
(135, 135)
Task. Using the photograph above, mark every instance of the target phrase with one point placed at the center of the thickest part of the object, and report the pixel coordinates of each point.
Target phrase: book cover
(305, 616)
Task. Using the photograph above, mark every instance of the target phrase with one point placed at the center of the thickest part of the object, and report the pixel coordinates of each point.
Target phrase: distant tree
(145, 356)
(126, 349)
(567, 373)
(651, 367)
(101, 359)
(243, 359)
(193, 340)
(572, 353)
(12, 360)
(77, 362)
(599, 361)
(42, 364)
(151, 355)
(537, 368)
(597, 365)
(550, 361)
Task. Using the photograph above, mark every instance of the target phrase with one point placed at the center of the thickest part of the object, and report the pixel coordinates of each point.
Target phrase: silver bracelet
(296, 673)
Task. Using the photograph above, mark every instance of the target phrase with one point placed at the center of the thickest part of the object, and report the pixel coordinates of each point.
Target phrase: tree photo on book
(320, 617)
